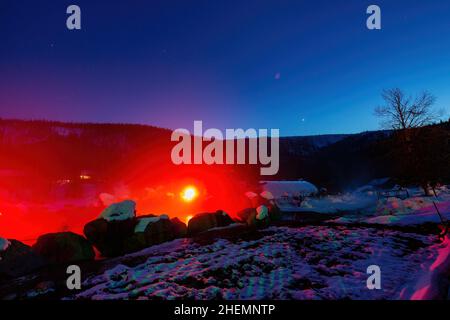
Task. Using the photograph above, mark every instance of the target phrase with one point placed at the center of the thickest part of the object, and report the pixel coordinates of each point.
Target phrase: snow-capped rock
(144, 222)
(255, 218)
(205, 221)
(250, 194)
(262, 213)
(110, 237)
(4, 244)
(64, 247)
(151, 230)
(267, 195)
(119, 211)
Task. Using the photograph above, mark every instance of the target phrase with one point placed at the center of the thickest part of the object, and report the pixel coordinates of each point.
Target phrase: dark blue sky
(305, 67)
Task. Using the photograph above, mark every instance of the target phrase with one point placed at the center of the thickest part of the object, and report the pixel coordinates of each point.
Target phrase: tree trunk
(426, 189)
(434, 191)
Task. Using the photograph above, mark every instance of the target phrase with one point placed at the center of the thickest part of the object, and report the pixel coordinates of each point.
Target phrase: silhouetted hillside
(138, 154)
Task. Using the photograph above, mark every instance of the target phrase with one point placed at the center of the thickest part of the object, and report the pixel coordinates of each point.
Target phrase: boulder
(110, 237)
(267, 195)
(262, 213)
(274, 212)
(223, 219)
(150, 230)
(159, 231)
(255, 218)
(17, 259)
(120, 211)
(112, 231)
(179, 228)
(247, 215)
(64, 247)
(205, 221)
(265, 198)
(253, 198)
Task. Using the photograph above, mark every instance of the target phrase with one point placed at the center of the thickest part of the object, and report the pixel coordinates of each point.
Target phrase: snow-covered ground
(312, 262)
(365, 206)
(410, 211)
(348, 202)
(315, 262)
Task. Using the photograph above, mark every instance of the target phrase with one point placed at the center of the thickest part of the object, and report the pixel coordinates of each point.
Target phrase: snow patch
(144, 222)
(412, 211)
(119, 211)
(314, 262)
(332, 204)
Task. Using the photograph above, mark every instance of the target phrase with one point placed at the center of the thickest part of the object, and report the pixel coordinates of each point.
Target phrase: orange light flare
(189, 194)
(188, 218)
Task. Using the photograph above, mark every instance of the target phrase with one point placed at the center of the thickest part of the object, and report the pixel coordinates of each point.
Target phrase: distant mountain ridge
(58, 149)
(304, 145)
(34, 131)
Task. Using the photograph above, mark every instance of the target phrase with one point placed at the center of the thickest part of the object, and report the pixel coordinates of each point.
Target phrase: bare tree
(416, 149)
(402, 112)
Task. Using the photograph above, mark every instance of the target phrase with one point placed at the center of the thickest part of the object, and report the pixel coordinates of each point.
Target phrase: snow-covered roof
(119, 211)
(4, 244)
(281, 188)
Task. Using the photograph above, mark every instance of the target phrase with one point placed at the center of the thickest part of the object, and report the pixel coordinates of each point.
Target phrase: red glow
(53, 185)
(196, 190)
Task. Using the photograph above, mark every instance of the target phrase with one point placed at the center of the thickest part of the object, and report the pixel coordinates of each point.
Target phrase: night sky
(305, 67)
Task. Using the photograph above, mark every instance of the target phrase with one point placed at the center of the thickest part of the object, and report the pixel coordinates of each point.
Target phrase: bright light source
(188, 218)
(189, 194)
